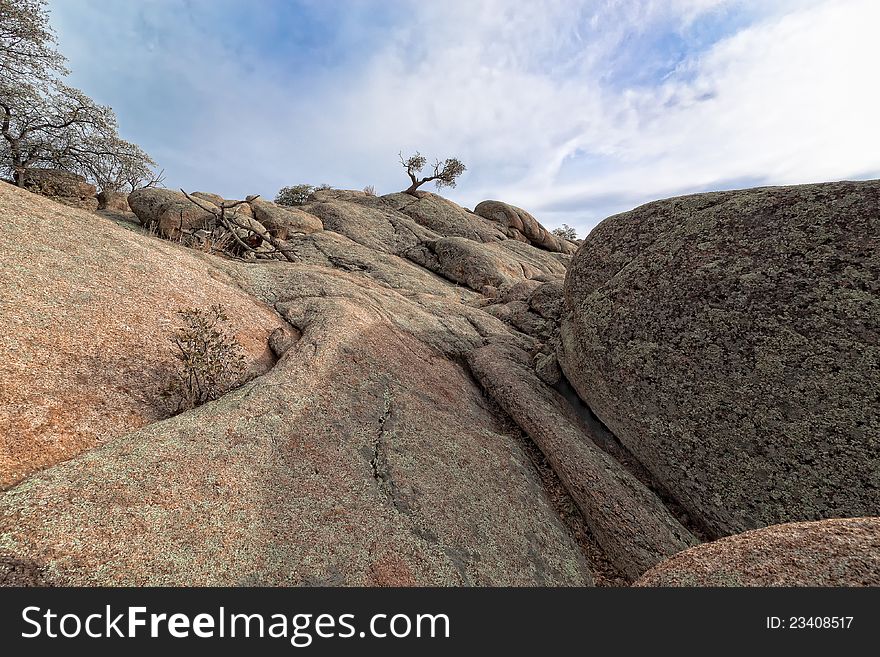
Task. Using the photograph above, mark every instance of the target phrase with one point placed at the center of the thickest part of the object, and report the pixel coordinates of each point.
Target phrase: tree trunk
(411, 190)
(18, 168)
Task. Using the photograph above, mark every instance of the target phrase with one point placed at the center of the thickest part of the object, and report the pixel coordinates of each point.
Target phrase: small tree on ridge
(443, 174)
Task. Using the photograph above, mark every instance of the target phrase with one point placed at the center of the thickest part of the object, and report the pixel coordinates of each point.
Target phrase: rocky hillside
(405, 419)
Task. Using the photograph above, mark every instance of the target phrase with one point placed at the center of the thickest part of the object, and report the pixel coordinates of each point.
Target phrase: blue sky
(571, 109)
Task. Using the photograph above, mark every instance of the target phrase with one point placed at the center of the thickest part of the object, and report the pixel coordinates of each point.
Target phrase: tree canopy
(294, 195)
(45, 123)
(566, 232)
(27, 43)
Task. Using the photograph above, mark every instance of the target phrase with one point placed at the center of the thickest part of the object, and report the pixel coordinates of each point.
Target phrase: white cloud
(520, 91)
(788, 101)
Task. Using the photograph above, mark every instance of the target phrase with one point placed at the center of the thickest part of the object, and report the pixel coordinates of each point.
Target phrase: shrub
(211, 362)
(294, 195)
(369, 190)
(565, 232)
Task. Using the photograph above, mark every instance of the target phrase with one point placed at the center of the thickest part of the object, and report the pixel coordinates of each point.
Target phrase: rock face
(531, 306)
(366, 455)
(110, 200)
(405, 420)
(177, 217)
(378, 229)
(485, 268)
(629, 521)
(147, 203)
(62, 186)
(840, 552)
(444, 217)
(519, 224)
(731, 341)
(283, 222)
(86, 353)
(214, 199)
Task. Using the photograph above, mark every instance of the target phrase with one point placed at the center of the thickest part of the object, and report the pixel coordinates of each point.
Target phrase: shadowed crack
(379, 462)
(605, 440)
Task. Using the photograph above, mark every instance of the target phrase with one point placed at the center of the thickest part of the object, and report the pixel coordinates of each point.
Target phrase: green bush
(294, 195)
(565, 232)
(210, 361)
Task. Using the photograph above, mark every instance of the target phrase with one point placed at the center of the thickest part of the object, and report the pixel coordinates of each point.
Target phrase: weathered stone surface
(62, 187)
(214, 199)
(628, 520)
(532, 307)
(349, 196)
(519, 291)
(537, 263)
(115, 201)
(326, 470)
(251, 232)
(331, 249)
(86, 352)
(444, 217)
(516, 221)
(548, 299)
(518, 315)
(283, 222)
(839, 552)
(407, 344)
(379, 229)
(484, 267)
(547, 367)
(179, 217)
(243, 209)
(147, 202)
(217, 200)
(428, 309)
(731, 341)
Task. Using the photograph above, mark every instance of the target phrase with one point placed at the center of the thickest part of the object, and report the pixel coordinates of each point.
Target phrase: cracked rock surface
(366, 456)
(407, 417)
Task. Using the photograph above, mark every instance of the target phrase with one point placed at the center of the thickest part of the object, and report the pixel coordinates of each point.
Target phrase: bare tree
(45, 123)
(444, 173)
(133, 180)
(59, 127)
(27, 43)
(232, 224)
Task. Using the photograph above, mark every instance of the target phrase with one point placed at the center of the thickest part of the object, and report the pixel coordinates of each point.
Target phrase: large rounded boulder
(147, 203)
(732, 342)
(444, 217)
(519, 224)
(838, 552)
(182, 217)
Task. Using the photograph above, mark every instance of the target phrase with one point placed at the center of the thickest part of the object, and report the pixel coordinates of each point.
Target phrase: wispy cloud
(573, 110)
